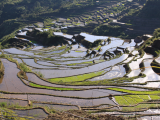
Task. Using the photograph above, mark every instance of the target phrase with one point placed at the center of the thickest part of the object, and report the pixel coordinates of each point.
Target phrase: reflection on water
(15, 102)
(93, 68)
(150, 74)
(35, 113)
(80, 102)
(57, 107)
(116, 71)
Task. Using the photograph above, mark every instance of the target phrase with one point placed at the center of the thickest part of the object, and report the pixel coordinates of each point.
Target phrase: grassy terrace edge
(136, 92)
(77, 78)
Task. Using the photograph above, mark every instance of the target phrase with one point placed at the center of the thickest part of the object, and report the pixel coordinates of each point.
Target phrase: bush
(24, 68)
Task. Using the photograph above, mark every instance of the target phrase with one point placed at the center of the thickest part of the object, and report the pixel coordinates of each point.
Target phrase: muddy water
(31, 63)
(12, 83)
(68, 59)
(45, 63)
(149, 118)
(16, 51)
(150, 111)
(93, 68)
(80, 61)
(32, 77)
(14, 102)
(19, 60)
(23, 56)
(57, 51)
(57, 107)
(74, 54)
(35, 113)
(80, 102)
(116, 71)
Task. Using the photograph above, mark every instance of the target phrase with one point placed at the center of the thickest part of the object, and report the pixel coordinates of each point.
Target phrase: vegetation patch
(136, 92)
(1, 69)
(76, 78)
(52, 88)
(140, 107)
(24, 68)
(89, 62)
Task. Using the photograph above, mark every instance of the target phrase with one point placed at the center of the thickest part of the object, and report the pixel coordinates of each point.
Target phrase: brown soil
(81, 115)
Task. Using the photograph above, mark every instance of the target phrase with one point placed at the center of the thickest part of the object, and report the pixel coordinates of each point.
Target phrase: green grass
(98, 47)
(89, 62)
(129, 100)
(24, 68)
(48, 59)
(135, 92)
(113, 81)
(63, 52)
(144, 97)
(33, 41)
(76, 78)
(136, 98)
(140, 107)
(52, 88)
(154, 97)
(121, 101)
(78, 51)
(39, 74)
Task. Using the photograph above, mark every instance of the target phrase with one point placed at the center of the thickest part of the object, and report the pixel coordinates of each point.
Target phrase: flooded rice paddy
(104, 81)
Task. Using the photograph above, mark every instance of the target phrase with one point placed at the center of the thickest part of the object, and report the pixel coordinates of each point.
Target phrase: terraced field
(117, 77)
(117, 80)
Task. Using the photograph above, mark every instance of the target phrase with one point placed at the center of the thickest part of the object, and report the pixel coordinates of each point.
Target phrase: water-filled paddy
(35, 113)
(80, 102)
(80, 80)
(93, 68)
(32, 63)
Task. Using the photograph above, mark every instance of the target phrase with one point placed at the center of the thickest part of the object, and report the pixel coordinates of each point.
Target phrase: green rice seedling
(130, 100)
(136, 98)
(76, 78)
(121, 101)
(135, 92)
(154, 97)
(144, 97)
(52, 88)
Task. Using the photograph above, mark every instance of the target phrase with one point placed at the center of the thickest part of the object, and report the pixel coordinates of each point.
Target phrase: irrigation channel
(113, 80)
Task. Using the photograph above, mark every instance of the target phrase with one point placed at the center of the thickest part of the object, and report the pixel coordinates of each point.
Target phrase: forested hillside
(17, 13)
(11, 9)
(150, 10)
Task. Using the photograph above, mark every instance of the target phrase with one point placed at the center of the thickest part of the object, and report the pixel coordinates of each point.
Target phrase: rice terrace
(79, 60)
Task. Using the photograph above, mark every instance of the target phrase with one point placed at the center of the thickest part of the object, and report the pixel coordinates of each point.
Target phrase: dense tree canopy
(150, 9)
